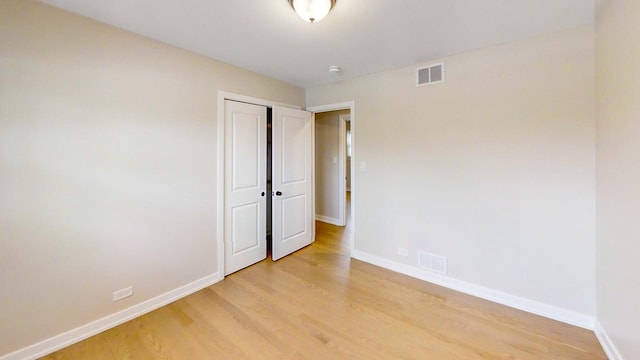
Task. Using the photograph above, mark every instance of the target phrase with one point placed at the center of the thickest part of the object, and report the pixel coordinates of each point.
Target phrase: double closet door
(245, 183)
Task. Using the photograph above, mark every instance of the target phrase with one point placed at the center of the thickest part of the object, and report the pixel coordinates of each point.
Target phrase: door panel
(294, 222)
(245, 142)
(244, 232)
(245, 184)
(293, 214)
(294, 162)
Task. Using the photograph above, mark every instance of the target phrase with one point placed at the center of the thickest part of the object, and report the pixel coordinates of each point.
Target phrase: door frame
(222, 96)
(351, 106)
(342, 155)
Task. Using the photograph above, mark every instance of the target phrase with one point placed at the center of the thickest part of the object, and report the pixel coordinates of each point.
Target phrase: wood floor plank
(320, 304)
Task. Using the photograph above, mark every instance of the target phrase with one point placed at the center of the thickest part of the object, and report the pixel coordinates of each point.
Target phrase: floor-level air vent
(432, 262)
(432, 74)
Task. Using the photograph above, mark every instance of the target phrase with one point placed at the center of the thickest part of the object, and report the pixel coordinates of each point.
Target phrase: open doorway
(330, 166)
(334, 175)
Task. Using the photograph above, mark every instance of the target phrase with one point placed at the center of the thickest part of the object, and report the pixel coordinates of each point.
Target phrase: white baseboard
(85, 331)
(607, 345)
(534, 307)
(329, 220)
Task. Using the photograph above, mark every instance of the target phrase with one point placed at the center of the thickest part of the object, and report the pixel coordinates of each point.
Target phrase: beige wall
(618, 173)
(493, 169)
(107, 167)
(327, 173)
(108, 160)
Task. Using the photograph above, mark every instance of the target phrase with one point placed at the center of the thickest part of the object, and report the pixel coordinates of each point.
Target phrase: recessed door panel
(246, 154)
(244, 232)
(294, 149)
(294, 221)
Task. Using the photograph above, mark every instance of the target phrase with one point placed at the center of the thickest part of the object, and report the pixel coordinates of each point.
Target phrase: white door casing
(245, 185)
(342, 169)
(292, 181)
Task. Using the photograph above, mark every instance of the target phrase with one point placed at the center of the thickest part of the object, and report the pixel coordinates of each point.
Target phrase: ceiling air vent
(432, 74)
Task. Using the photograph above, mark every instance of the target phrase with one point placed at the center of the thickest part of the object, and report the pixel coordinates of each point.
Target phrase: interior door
(245, 185)
(292, 181)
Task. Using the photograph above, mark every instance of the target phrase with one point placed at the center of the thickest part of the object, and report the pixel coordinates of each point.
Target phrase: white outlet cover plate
(123, 293)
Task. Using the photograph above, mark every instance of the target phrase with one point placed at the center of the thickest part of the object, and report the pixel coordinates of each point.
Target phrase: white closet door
(244, 185)
(293, 214)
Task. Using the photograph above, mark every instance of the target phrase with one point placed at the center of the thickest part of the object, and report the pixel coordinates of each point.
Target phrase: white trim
(605, 341)
(313, 172)
(342, 169)
(65, 339)
(329, 220)
(347, 105)
(351, 106)
(251, 100)
(222, 96)
(531, 306)
(220, 180)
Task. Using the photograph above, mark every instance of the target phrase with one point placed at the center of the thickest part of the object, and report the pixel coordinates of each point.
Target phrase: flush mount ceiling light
(312, 10)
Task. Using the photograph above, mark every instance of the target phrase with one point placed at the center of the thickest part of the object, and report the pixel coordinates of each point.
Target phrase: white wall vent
(432, 262)
(432, 74)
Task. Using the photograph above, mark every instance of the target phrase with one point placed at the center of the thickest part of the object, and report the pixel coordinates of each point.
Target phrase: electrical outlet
(403, 252)
(123, 293)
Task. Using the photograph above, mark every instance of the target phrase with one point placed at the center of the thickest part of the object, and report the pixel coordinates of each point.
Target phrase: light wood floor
(320, 304)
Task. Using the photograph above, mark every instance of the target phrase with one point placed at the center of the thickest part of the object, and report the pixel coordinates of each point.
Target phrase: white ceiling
(360, 36)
